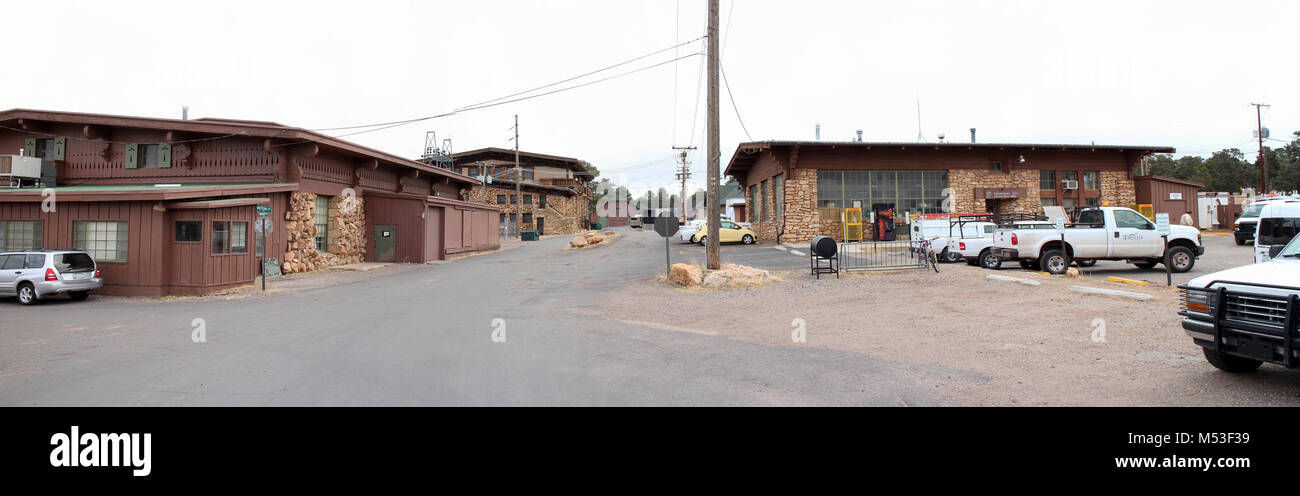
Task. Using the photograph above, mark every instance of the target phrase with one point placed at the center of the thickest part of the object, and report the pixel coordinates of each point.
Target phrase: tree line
(1229, 170)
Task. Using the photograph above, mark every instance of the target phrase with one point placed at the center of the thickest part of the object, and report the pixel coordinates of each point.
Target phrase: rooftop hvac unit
(15, 166)
(1068, 184)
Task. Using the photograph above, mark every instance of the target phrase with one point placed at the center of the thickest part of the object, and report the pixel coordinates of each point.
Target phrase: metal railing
(880, 255)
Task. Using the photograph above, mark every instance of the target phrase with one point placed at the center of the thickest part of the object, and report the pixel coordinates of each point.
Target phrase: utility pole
(519, 178)
(713, 255)
(1263, 157)
(683, 176)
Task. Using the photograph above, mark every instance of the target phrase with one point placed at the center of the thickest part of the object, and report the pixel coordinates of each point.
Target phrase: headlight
(1200, 300)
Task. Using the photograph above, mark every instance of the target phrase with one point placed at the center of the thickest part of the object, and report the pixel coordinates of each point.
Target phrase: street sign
(263, 211)
(666, 226)
(1060, 225)
(1162, 224)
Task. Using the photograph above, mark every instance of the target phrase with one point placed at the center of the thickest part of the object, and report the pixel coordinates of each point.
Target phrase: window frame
(241, 227)
(1083, 180)
(322, 240)
(121, 241)
(37, 232)
(176, 231)
(501, 199)
(1047, 177)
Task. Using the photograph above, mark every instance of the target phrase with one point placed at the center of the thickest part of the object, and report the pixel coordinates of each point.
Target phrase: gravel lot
(1035, 343)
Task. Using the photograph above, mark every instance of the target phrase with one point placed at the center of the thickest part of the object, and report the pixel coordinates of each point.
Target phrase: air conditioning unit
(1068, 184)
(15, 166)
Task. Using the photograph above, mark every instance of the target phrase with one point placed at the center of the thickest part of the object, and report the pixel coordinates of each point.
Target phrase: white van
(1279, 223)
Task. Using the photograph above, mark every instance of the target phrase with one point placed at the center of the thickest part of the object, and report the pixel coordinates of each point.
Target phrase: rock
(736, 276)
(685, 275)
(578, 242)
(609, 233)
(595, 239)
(1073, 272)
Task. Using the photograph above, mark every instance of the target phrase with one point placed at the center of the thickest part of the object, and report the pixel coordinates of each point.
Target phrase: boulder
(595, 239)
(578, 242)
(1073, 272)
(685, 275)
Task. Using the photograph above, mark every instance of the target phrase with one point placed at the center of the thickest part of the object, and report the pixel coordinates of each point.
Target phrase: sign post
(666, 227)
(1060, 231)
(1162, 226)
(264, 225)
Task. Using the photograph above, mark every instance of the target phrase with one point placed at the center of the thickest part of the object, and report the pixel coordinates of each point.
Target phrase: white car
(1103, 233)
(1246, 316)
(686, 232)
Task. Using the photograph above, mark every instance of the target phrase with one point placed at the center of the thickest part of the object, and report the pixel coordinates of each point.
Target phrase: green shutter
(165, 155)
(60, 148)
(29, 147)
(132, 155)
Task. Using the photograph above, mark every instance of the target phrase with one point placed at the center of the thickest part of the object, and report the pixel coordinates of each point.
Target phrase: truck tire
(990, 261)
(1180, 259)
(1148, 265)
(1241, 242)
(1231, 364)
(950, 256)
(1054, 262)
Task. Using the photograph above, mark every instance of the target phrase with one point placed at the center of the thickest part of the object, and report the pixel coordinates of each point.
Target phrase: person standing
(1187, 220)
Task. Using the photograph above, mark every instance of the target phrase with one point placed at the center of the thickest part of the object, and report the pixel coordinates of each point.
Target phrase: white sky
(1116, 72)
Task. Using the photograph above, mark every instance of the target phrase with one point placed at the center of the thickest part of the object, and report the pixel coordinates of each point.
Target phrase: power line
(732, 96)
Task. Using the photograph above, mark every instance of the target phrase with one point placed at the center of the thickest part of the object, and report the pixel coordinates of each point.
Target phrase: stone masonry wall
(965, 181)
(1117, 189)
(802, 220)
(347, 231)
(564, 214)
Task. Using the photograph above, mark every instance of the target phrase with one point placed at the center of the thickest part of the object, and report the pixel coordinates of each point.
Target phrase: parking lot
(1220, 253)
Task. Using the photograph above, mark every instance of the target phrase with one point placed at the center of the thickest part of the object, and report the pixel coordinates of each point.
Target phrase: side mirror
(1236, 215)
(1275, 250)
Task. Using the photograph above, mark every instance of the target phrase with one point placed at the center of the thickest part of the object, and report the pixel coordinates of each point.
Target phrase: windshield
(74, 262)
(1291, 250)
(1277, 230)
(1253, 210)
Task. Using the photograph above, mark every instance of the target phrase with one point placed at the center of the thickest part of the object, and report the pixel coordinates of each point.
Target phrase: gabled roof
(213, 127)
(469, 157)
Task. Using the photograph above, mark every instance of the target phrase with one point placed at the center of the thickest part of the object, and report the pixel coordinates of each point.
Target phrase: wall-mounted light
(1021, 161)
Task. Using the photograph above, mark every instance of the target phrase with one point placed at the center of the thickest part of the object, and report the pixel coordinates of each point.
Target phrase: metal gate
(881, 255)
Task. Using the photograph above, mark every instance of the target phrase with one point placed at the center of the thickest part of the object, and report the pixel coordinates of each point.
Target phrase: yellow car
(728, 232)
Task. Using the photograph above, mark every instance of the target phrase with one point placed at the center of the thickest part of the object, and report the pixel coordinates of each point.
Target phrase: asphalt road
(425, 337)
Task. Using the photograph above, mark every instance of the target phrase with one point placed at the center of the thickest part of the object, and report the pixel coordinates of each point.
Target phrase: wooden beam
(31, 125)
(94, 132)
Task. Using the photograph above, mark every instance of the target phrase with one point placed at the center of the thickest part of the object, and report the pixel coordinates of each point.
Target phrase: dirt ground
(1035, 344)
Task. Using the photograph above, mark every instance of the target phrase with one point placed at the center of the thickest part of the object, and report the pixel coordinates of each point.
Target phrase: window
(528, 173)
(1069, 176)
(45, 148)
(322, 222)
(501, 199)
(189, 231)
(18, 235)
(238, 237)
(220, 238)
(259, 237)
(104, 241)
(1049, 202)
(1047, 180)
(541, 201)
(148, 155)
(995, 166)
(910, 192)
(1092, 181)
(1132, 220)
(528, 218)
(514, 200)
(1277, 230)
(528, 199)
(34, 262)
(12, 262)
(1092, 217)
(762, 201)
(1092, 202)
(779, 195)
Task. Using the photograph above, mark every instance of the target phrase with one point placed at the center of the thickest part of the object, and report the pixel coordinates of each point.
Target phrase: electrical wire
(732, 96)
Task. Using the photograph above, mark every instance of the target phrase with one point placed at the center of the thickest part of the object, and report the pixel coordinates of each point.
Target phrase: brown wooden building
(797, 189)
(1167, 195)
(551, 197)
(171, 206)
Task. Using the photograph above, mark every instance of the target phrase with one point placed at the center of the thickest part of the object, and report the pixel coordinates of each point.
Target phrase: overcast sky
(1115, 72)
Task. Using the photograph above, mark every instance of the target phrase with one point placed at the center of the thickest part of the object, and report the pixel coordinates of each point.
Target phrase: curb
(1110, 292)
(1027, 282)
(1128, 281)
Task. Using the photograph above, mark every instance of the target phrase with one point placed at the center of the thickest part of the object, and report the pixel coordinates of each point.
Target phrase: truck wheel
(950, 257)
(1086, 263)
(1180, 259)
(1145, 265)
(1229, 363)
(990, 261)
(1241, 242)
(1054, 262)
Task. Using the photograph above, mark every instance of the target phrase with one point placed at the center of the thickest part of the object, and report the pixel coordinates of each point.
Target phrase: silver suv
(32, 275)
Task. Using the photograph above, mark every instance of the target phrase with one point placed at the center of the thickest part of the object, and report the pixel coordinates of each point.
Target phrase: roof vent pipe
(972, 135)
(859, 136)
(819, 132)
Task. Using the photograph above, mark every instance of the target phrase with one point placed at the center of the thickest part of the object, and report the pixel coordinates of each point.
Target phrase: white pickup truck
(1249, 315)
(1103, 233)
(979, 251)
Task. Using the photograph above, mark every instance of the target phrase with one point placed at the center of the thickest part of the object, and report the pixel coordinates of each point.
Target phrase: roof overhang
(142, 193)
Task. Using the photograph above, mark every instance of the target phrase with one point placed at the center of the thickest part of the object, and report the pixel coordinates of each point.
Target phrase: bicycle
(928, 256)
